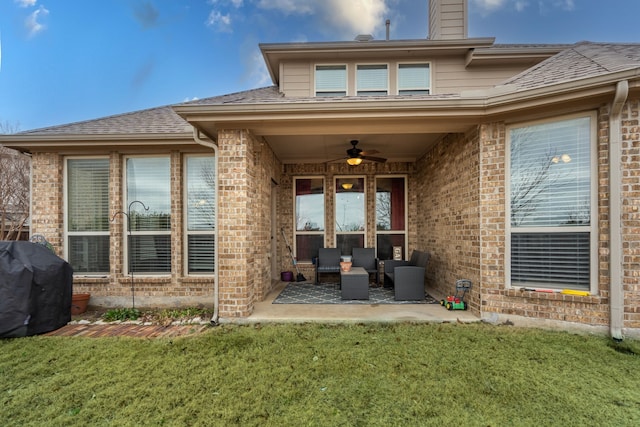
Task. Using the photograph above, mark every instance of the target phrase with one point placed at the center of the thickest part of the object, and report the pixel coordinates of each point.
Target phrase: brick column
(234, 224)
(492, 212)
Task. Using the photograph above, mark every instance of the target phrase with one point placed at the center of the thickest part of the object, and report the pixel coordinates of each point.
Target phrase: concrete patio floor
(266, 311)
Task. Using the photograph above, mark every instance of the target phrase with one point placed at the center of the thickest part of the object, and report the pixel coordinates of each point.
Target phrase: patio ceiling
(306, 133)
(323, 148)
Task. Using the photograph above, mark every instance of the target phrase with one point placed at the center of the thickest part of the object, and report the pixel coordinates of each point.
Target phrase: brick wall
(448, 214)
(46, 202)
(631, 212)
(592, 310)
(247, 169)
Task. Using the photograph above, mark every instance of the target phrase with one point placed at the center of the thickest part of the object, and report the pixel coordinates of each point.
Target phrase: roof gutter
(616, 290)
(216, 289)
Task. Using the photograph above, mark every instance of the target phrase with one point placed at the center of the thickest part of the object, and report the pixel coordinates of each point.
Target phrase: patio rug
(329, 293)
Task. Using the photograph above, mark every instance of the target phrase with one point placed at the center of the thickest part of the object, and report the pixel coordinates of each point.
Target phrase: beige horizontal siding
(448, 75)
(296, 79)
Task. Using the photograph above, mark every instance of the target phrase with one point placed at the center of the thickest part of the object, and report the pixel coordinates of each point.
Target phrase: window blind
(201, 253)
(372, 79)
(150, 253)
(201, 213)
(331, 78)
(550, 259)
(200, 193)
(88, 194)
(413, 78)
(87, 219)
(550, 174)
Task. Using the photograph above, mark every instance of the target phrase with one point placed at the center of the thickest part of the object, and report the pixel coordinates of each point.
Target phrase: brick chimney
(447, 19)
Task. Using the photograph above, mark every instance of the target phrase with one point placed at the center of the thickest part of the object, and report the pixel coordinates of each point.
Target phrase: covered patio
(266, 311)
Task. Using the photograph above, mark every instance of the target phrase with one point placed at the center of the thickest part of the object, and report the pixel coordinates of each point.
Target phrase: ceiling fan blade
(336, 160)
(368, 152)
(374, 159)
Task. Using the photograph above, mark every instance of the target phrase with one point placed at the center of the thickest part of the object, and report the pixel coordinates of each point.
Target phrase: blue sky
(63, 61)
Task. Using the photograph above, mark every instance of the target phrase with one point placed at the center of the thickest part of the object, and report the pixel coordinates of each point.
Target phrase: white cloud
(290, 7)
(521, 5)
(343, 18)
(26, 3)
(356, 16)
(32, 22)
(349, 18)
(487, 6)
(219, 22)
(567, 5)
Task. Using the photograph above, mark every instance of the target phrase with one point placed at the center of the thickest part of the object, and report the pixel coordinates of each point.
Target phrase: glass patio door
(350, 213)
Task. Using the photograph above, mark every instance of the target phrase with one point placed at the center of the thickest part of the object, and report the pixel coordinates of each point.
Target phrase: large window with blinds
(331, 80)
(309, 220)
(200, 213)
(414, 79)
(552, 204)
(87, 214)
(148, 201)
(372, 79)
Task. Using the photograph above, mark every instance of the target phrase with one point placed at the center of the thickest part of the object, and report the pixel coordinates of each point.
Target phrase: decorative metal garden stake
(128, 215)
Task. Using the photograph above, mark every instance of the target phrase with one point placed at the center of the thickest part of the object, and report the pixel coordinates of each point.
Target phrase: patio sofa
(407, 277)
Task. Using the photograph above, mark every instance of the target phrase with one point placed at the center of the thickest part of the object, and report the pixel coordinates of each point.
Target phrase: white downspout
(616, 291)
(214, 147)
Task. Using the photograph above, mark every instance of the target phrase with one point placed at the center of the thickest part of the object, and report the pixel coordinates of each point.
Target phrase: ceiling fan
(355, 155)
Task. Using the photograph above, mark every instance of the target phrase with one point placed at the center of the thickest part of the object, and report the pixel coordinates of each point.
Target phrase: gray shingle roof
(582, 60)
(159, 120)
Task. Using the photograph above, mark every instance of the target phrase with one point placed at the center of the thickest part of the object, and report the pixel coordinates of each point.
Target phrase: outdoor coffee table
(354, 283)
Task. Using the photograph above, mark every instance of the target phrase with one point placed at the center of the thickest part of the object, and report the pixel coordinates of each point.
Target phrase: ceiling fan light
(354, 161)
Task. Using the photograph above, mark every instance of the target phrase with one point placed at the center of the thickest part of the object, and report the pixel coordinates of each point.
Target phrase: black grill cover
(35, 289)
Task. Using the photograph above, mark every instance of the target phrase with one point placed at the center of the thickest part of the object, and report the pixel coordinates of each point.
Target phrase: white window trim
(388, 83)
(427, 63)
(308, 233)
(185, 216)
(406, 212)
(592, 228)
(125, 220)
(65, 197)
(346, 82)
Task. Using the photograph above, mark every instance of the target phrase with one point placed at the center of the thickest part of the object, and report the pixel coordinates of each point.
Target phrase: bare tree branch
(14, 189)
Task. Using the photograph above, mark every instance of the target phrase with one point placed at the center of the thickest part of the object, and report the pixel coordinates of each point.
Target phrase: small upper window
(413, 79)
(372, 80)
(331, 80)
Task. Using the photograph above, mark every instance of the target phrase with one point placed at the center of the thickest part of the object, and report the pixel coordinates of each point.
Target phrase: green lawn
(323, 375)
